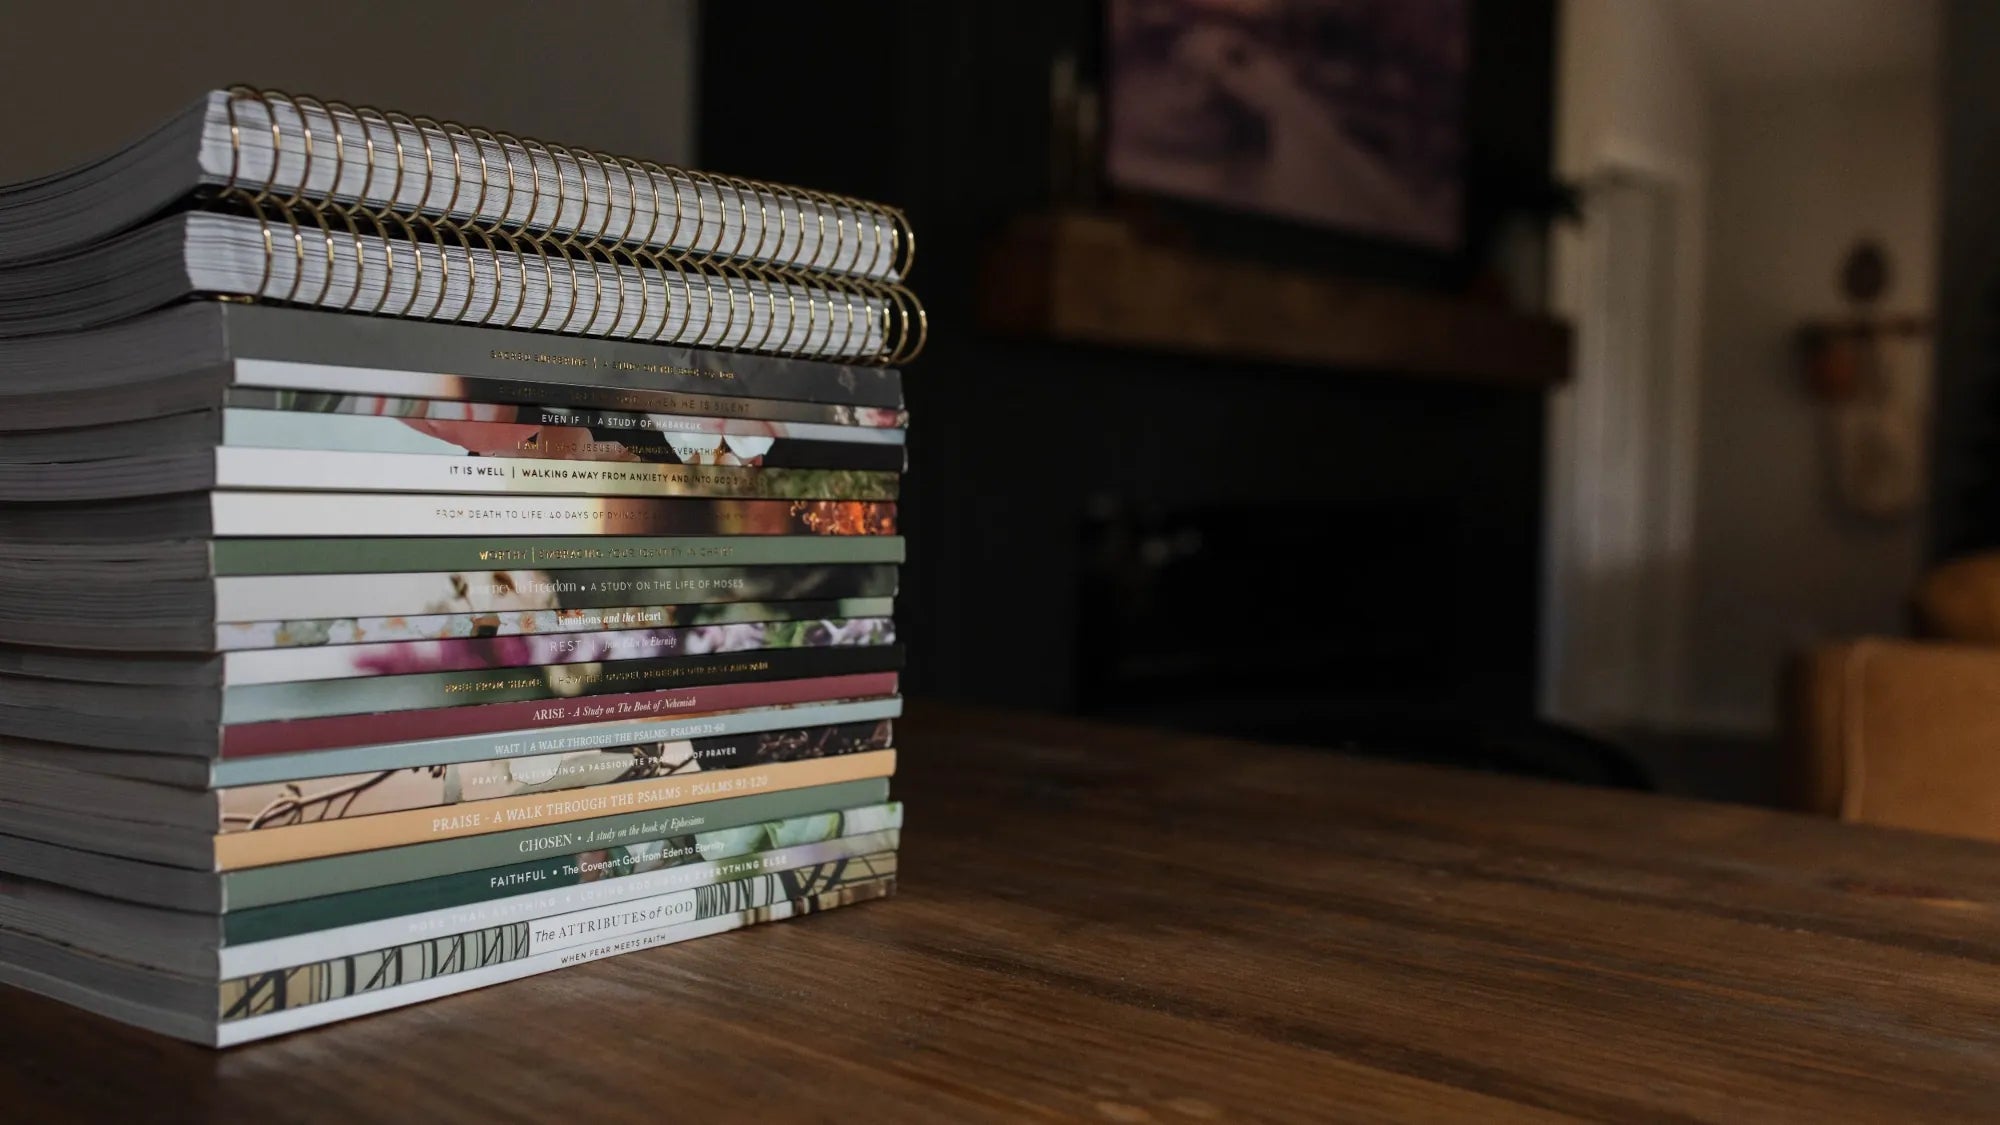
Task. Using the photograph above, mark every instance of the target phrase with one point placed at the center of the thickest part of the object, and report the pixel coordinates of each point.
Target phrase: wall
(1631, 87)
(1799, 172)
(118, 68)
(1632, 122)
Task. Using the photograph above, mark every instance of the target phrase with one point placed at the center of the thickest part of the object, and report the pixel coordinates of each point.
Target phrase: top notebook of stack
(283, 147)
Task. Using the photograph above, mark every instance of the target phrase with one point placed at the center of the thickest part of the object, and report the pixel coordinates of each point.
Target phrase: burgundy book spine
(289, 736)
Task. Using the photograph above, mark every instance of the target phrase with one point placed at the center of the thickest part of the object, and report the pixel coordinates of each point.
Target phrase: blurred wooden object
(1906, 733)
(1088, 279)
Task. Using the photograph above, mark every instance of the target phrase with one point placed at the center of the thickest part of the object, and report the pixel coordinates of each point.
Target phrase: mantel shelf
(1083, 279)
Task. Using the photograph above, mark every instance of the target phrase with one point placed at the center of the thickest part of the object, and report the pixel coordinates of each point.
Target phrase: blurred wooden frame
(1899, 733)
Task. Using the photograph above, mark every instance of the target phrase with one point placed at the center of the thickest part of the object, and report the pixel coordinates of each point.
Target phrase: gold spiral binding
(725, 274)
(673, 264)
(520, 259)
(596, 244)
(865, 315)
(698, 250)
(748, 263)
(688, 248)
(234, 188)
(892, 320)
(790, 350)
(646, 258)
(841, 295)
(782, 194)
(637, 249)
(399, 123)
(287, 205)
(742, 216)
(865, 235)
(912, 310)
(765, 222)
(516, 238)
(780, 274)
(772, 287)
(906, 235)
(486, 231)
(548, 279)
(589, 249)
(444, 223)
(402, 123)
(695, 276)
(886, 227)
(842, 209)
(819, 210)
(299, 201)
(545, 240)
(377, 218)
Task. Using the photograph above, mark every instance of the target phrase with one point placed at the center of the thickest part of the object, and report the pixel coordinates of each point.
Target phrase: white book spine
(325, 515)
(331, 1011)
(348, 471)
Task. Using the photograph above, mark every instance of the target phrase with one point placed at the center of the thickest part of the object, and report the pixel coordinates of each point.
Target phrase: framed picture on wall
(1347, 115)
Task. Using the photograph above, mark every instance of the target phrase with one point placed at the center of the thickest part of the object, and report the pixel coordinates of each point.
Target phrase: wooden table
(1113, 925)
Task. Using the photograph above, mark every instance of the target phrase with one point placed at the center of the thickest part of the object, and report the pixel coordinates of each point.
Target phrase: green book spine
(378, 556)
(467, 888)
(312, 878)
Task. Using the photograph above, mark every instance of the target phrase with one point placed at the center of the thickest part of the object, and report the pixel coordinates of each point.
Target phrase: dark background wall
(1965, 491)
(942, 109)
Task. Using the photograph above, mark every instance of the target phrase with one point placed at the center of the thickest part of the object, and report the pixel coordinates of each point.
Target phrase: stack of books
(432, 557)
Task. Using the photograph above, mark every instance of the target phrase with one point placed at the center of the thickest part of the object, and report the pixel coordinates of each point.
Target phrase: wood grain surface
(1115, 925)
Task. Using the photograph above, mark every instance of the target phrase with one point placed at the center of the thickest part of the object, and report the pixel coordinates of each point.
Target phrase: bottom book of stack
(240, 950)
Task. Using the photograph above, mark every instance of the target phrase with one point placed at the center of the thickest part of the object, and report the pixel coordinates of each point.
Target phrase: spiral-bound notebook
(196, 253)
(270, 197)
(274, 146)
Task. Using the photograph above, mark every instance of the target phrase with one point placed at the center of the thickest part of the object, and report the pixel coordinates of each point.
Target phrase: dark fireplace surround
(1223, 546)
(1322, 554)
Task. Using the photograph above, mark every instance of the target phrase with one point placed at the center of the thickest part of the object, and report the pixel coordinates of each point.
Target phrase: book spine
(559, 441)
(394, 658)
(361, 380)
(288, 1020)
(235, 636)
(409, 351)
(612, 863)
(332, 514)
(285, 418)
(284, 597)
(560, 683)
(417, 826)
(517, 719)
(792, 864)
(255, 808)
(355, 871)
(232, 557)
(528, 476)
(437, 752)
(342, 975)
